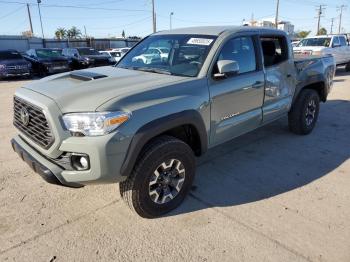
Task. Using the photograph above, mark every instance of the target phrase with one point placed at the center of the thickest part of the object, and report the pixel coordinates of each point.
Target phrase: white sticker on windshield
(199, 41)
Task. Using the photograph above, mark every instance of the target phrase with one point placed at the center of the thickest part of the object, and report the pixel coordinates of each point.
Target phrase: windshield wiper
(152, 70)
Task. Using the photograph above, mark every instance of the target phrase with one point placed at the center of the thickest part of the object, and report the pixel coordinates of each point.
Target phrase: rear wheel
(161, 178)
(304, 113)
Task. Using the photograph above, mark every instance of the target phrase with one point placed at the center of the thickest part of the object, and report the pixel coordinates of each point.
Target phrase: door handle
(289, 76)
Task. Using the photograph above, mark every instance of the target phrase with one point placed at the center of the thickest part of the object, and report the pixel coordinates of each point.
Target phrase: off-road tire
(135, 190)
(297, 119)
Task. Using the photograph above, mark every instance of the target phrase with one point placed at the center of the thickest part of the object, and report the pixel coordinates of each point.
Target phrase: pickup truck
(335, 45)
(143, 125)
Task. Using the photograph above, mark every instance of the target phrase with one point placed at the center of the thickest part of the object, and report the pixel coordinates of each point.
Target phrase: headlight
(95, 123)
(2, 67)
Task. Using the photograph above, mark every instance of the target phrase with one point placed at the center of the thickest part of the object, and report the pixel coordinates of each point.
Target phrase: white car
(113, 55)
(335, 45)
(122, 50)
(152, 54)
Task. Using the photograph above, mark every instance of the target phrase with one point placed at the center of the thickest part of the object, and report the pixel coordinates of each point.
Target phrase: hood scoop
(86, 75)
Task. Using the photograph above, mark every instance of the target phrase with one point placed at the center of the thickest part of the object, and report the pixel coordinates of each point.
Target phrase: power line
(12, 12)
(79, 7)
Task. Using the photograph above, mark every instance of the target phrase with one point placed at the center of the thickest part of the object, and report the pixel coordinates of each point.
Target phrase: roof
(214, 30)
(322, 36)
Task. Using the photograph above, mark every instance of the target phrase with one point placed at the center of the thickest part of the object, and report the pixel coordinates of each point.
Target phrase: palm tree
(61, 33)
(74, 33)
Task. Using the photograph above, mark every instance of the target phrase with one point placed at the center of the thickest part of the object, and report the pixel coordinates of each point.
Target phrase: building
(286, 26)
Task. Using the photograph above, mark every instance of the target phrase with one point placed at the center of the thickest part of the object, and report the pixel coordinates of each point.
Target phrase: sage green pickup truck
(173, 96)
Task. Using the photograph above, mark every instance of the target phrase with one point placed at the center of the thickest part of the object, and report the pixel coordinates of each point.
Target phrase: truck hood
(85, 90)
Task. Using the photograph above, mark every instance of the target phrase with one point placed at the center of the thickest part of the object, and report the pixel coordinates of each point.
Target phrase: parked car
(335, 45)
(123, 50)
(114, 56)
(143, 124)
(12, 64)
(84, 57)
(46, 61)
(153, 54)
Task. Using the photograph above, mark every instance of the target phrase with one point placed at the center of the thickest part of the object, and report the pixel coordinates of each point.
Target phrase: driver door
(236, 101)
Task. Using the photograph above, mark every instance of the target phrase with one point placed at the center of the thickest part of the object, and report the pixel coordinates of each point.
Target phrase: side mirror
(226, 68)
(335, 45)
(76, 55)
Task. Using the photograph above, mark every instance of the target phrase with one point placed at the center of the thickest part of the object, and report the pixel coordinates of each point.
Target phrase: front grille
(37, 127)
(59, 64)
(17, 67)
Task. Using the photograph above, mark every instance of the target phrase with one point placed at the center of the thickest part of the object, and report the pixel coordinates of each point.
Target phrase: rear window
(342, 41)
(10, 55)
(275, 50)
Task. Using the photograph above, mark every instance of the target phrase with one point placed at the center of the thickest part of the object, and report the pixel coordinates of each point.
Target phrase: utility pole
(277, 13)
(341, 8)
(30, 20)
(171, 24)
(85, 32)
(319, 10)
(332, 23)
(154, 18)
(41, 22)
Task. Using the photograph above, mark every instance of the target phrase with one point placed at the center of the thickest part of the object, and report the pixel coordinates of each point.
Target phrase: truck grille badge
(24, 116)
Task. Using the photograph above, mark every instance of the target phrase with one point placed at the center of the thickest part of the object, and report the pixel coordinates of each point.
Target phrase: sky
(106, 18)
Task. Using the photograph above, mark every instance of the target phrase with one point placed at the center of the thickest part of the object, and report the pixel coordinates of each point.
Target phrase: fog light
(80, 161)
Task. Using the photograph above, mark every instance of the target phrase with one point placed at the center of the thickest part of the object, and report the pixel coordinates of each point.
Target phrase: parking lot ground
(267, 196)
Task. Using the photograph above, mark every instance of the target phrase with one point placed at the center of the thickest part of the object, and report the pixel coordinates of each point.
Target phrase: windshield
(43, 53)
(320, 41)
(8, 55)
(88, 51)
(181, 55)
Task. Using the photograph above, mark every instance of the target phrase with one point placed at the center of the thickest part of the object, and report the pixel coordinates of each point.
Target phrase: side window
(275, 50)
(242, 51)
(335, 41)
(342, 41)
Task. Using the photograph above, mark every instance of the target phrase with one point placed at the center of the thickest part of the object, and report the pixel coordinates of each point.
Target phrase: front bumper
(41, 165)
(106, 155)
(14, 74)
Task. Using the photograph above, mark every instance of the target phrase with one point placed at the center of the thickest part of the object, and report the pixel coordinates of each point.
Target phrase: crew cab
(46, 61)
(142, 125)
(84, 57)
(13, 64)
(335, 45)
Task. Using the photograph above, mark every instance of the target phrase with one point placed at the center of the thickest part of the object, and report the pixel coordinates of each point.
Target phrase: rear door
(280, 76)
(236, 100)
(345, 49)
(337, 50)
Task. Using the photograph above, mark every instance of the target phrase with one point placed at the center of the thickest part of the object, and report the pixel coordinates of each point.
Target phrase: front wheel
(161, 178)
(304, 113)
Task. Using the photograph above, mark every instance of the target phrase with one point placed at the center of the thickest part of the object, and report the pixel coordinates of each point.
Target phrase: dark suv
(47, 61)
(12, 63)
(84, 57)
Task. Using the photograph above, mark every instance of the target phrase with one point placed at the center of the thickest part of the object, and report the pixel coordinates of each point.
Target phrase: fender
(159, 126)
